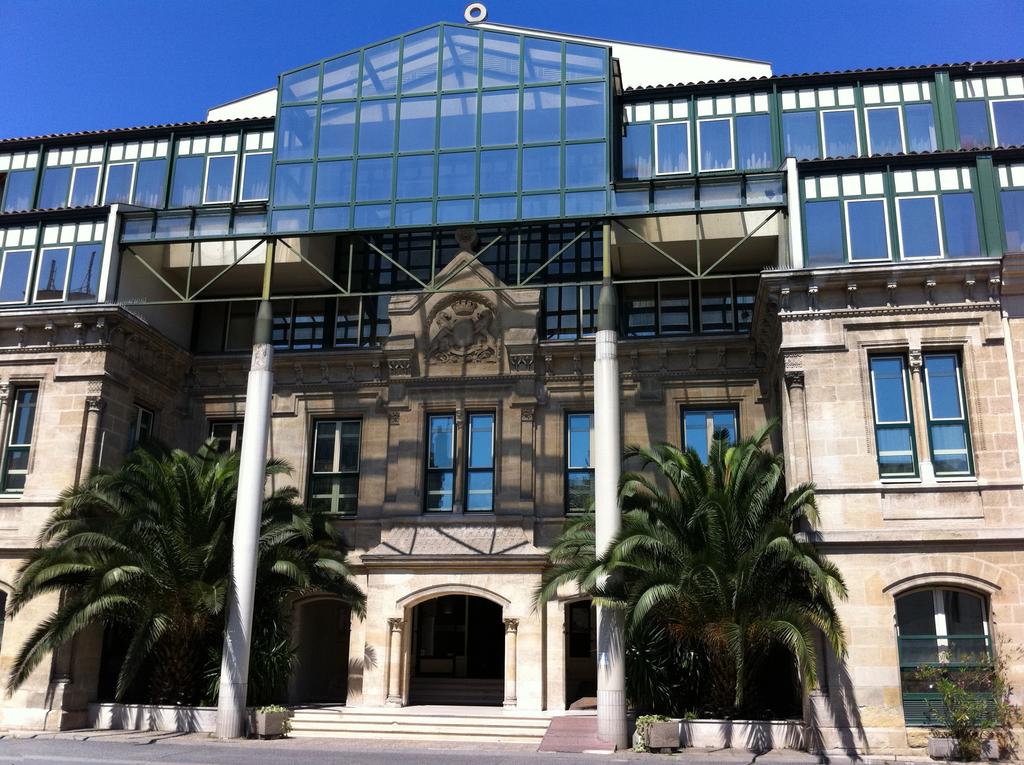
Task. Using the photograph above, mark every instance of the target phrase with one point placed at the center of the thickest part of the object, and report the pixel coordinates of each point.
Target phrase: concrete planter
(752, 735)
(945, 748)
(153, 717)
(271, 724)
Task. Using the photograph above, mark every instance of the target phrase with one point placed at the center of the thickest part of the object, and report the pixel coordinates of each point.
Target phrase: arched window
(938, 627)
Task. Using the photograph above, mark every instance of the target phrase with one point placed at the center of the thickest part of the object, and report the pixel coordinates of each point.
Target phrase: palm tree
(144, 551)
(714, 554)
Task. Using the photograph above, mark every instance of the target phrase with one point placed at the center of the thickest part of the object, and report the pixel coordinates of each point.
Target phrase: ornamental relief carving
(463, 329)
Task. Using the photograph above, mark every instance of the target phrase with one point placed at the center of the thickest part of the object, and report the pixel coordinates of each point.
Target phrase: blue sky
(70, 65)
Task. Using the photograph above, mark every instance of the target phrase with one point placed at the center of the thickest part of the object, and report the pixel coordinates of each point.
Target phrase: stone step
(489, 736)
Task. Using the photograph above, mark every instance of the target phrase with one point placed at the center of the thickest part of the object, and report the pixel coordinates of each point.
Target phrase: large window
(972, 123)
(839, 131)
(14, 273)
(579, 468)
(1008, 121)
(941, 628)
(714, 145)
(19, 438)
(800, 135)
(673, 141)
(480, 464)
(140, 428)
(440, 490)
(867, 229)
(948, 431)
(227, 435)
(1013, 219)
(894, 428)
(18, 187)
(702, 426)
(334, 477)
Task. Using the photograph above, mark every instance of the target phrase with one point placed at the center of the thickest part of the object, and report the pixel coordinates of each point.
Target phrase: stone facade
(475, 347)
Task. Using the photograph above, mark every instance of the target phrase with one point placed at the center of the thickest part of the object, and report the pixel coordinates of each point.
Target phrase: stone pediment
(469, 324)
(454, 539)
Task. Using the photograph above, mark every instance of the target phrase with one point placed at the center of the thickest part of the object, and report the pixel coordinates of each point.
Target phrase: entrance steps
(421, 723)
(456, 691)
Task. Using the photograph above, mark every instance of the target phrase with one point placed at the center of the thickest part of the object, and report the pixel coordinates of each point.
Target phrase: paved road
(188, 751)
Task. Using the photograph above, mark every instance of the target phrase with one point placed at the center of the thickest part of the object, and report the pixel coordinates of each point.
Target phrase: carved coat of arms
(463, 330)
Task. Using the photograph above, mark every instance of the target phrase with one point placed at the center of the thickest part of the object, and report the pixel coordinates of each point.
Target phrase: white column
(395, 626)
(611, 668)
(511, 637)
(234, 670)
(794, 213)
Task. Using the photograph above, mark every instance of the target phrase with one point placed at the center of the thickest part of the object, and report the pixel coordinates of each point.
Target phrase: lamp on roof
(475, 13)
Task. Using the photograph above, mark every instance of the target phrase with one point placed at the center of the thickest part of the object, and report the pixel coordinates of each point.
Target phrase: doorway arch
(321, 628)
(457, 651)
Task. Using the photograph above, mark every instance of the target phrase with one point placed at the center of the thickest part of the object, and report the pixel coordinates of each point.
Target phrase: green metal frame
(313, 475)
(567, 469)
(8, 432)
(965, 420)
(909, 425)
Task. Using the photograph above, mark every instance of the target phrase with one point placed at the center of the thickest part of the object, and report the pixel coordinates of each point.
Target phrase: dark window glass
(579, 469)
(702, 426)
(141, 428)
(1009, 119)
(480, 464)
(919, 227)
(972, 124)
(1013, 219)
(440, 463)
(334, 479)
(337, 130)
(840, 129)
(920, 125)
(754, 141)
(308, 325)
(637, 156)
(227, 436)
(674, 299)
(582, 631)
(188, 181)
(149, 183)
(800, 134)
(53, 192)
(961, 224)
(640, 310)
(18, 190)
(938, 627)
(84, 282)
(119, 183)
(14, 276)
(716, 306)
(53, 266)
(673, 139)
(824, 229)
(894, 431)
(947, 421)
(884, 135)
(866, 229)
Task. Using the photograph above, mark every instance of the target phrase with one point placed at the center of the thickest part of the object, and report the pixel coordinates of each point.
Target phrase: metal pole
(611, 667)
(234, 668)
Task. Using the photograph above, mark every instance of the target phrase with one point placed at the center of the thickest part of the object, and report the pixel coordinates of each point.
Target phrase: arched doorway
(321, 628)
(458, 652)
(580, 655)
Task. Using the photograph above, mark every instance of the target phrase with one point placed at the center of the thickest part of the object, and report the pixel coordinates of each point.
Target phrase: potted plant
(975, 715)
(655, 733)
(272, 721)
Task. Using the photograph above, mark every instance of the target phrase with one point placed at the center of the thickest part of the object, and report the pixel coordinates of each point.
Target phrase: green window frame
(579, 468)
(18, 444)
(942, 627)
(949, 432)
(439, 466)
(890, 430)
(334, 467)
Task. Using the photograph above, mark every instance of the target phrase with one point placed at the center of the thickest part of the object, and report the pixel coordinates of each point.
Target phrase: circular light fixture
(475, 13)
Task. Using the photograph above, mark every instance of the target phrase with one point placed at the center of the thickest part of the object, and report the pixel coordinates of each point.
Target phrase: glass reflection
(417, 124)
(380, 69)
